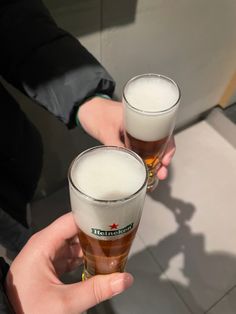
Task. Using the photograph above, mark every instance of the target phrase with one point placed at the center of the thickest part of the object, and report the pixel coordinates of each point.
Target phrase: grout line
(169, 281)
(220, 299)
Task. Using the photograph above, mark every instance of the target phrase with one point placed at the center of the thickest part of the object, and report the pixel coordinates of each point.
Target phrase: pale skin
(98, 112)
(33, 284)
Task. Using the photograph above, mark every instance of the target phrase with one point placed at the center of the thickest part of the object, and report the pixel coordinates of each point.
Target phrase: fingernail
(121, 283)
(166, 160)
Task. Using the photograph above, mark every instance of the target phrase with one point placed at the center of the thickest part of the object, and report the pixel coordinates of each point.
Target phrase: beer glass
(107, 190)
(150, 103)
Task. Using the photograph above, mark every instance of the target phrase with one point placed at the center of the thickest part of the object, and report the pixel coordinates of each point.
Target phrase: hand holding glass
(107, 191)
(150, 103)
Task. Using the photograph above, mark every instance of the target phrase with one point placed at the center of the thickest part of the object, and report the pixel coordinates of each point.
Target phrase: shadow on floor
(207, 276)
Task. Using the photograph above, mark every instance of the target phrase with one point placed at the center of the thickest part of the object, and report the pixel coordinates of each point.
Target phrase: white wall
(192, 41)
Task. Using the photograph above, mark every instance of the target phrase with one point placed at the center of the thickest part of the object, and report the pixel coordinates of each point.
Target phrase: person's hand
(162, 172)
(103, 119)
(33, 284)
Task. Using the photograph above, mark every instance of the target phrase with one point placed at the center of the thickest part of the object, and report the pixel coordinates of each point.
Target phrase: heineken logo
(114, 231)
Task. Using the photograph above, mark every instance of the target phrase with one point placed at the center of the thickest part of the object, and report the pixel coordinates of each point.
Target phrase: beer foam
(108, 174)
(154, 98)
(151, 94)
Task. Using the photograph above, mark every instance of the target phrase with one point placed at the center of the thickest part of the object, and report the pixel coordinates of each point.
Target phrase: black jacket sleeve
(5, 307)
(46, 62)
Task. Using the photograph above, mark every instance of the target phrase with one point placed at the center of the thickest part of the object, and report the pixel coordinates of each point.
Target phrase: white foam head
(108, 174)
(100, 176)
(151, 103)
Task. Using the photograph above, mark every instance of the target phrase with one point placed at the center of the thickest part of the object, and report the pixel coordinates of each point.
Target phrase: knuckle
(98, 291)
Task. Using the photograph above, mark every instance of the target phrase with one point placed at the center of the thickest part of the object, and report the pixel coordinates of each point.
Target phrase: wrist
(97, 95)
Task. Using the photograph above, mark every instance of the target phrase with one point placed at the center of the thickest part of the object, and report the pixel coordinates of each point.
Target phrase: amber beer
(107, 191)
(150, 107)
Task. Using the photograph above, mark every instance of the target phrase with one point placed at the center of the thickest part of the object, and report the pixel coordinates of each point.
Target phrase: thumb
(86, 294)
(112, 139)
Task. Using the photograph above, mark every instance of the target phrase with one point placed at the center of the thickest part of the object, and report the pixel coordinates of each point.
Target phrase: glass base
(152, 177)
(86, 275)
(152, 180)
(152, 185)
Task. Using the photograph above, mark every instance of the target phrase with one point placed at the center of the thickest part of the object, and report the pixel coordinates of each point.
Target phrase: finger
(74, 240)
(63, 265)
(65, 256)
(87, 294)
(114, 143)
(112, 138)
(162, 173)
(61, 229)
(74, 263)
(170, 151)
(72, 250)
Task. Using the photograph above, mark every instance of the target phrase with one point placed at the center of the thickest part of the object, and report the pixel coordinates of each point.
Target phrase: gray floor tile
(226, 306)
(151, 292)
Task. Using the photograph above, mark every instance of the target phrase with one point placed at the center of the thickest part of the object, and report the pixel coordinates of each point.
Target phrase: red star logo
(114, 226)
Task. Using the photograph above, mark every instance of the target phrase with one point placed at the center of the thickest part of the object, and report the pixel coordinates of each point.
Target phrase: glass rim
(153, 75)
(109, 147)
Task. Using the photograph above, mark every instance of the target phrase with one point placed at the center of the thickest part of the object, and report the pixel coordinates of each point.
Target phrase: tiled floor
(184, 256)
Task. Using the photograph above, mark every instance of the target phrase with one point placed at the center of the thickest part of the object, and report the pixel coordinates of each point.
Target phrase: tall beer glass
(150, 106)
(107, 191)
